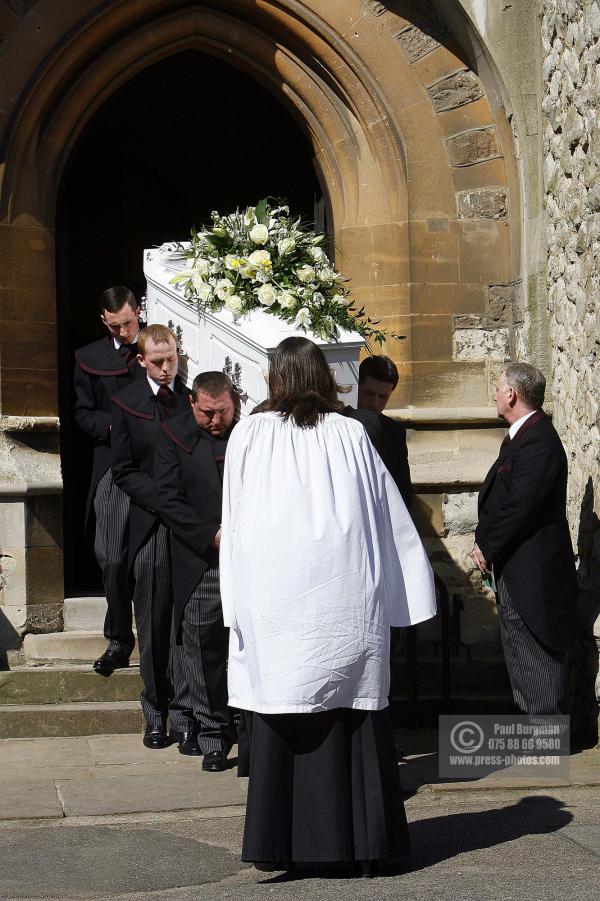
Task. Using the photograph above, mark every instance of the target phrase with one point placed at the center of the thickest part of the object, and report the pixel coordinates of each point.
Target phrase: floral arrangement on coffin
(263, 258)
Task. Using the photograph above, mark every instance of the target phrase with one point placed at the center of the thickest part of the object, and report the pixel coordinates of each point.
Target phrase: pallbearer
(138, 413)
(103, 368)
(188, 470)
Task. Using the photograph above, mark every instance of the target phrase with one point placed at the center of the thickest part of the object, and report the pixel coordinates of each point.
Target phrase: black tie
(166, 399)
(128, 352)
(505, 441)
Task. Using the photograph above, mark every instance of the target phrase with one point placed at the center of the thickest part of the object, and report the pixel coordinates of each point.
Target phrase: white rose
(201, 266)
(197, 280)
(316, 253)
(219, 231)
(305, 273)
(260, 259)
(267, 295)
(233, 262)
(203, 292)
(286, 245)
(303, 318)
(234, 304)
(326, 275)
(286, 300)
(224, 288)
(259, 234)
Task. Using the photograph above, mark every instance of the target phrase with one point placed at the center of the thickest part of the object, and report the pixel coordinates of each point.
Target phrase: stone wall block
(416, 43)
(486, 203)
(480, 345)
(460, 513)
(12, 523)
(474, 146)
(454, 91)
(502, 302)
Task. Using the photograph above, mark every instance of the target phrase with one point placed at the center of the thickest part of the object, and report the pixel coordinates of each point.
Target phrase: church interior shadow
(440, 838)
(478, 681)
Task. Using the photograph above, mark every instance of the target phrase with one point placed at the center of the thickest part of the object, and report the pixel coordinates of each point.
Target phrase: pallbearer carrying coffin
(102, 368)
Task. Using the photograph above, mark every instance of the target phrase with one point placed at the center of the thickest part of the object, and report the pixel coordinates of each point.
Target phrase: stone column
(31, 559)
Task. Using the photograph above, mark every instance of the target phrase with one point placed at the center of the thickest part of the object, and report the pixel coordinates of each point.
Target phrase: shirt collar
(155, 385)
(118, 343)
(517, 425)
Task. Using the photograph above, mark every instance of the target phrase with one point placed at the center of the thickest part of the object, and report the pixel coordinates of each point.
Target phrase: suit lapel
(489, 479)
(505, 449)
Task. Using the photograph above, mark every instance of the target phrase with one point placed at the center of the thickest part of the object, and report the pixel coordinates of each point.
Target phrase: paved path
(103, 818)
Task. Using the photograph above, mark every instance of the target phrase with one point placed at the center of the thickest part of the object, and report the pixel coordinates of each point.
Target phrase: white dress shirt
(118, 343)
(517, 425)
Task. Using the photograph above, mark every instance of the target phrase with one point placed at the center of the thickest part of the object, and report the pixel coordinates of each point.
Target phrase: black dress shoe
(214, 762)
(188, 742)
(110, 661)
(156, 737)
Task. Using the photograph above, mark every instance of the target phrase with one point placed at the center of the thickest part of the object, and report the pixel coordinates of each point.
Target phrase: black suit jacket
(523, 531)
(100, 372)
(189, 491)
(135, 430)
(388, 437)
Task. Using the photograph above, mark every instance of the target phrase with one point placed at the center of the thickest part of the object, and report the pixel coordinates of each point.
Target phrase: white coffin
(215, 341)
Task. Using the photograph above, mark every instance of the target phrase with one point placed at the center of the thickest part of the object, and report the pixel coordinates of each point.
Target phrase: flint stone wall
(571, 75)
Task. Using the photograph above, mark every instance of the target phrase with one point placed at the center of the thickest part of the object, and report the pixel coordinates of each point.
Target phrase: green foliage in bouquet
(263, 258)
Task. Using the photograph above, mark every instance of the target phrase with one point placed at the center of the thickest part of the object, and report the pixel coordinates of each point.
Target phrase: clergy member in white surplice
(319, 558)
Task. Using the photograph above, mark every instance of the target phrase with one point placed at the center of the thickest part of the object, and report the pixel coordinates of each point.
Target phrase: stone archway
(417, 167)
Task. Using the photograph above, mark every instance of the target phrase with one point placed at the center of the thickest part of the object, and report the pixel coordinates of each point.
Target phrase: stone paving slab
(104, 795)
(32, 798)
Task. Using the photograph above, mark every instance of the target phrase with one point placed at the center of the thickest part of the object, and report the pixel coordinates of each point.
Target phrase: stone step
(84, 614)
(67, 684)
(66, 647)
(51, 720)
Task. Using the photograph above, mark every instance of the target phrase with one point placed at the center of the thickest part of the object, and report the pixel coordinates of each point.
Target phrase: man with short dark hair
(139, 410)
(523, 541)
(188, 472)
(377, 379)
(103, 368)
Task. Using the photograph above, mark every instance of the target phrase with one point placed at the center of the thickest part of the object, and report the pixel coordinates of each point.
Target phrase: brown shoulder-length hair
(301, 384)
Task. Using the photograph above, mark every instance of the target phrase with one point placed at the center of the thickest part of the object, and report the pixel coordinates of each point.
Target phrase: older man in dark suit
(523, 540)
(188, 472)
(138, 413)
(102, 368)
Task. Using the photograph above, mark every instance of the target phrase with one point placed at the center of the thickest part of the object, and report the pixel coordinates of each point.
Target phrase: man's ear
(103, 319)
(191, 399)
(138, 312)
(141, 360)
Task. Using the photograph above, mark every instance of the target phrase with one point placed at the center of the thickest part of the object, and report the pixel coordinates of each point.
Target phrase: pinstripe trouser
(202, 655)
(538, 675)
(153, 606)
(111, 506)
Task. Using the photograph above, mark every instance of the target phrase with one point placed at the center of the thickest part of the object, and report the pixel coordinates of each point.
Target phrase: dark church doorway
(188, 135)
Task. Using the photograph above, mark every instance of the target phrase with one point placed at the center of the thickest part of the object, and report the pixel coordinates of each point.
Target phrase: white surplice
(319, 557)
